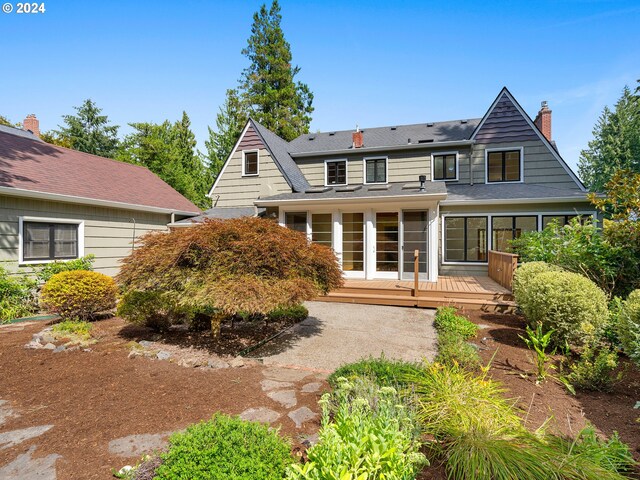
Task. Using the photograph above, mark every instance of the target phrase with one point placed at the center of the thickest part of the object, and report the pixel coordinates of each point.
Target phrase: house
(451, 190)
(60, 204)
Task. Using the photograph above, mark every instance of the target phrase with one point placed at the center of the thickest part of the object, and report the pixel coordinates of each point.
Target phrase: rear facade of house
(450, 190)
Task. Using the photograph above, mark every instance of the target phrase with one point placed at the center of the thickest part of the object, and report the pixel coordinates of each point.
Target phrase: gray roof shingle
(222, 213)
(509, 192)
(392, 136)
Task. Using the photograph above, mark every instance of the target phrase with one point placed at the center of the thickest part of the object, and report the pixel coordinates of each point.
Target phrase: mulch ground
(94, 397)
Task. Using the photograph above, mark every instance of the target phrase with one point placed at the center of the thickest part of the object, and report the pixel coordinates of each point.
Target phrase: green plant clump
(48, 270)
(538, 341)
(594, 369)
(295, 313)
(568, 303)
(628, 326)
(366, 434)
(453, 332)
(383, 371)
(522, 279)
(71, 327)
(17, 296)
(225, 448)
(151, 308)
(447, 320)
(78, 294)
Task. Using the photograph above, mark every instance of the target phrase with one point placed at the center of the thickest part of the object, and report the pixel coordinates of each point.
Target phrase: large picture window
(465, 239)
(375, 170)
(49, 241)
(504, 166)
(444, 167)
(505, 229)
(336, 172)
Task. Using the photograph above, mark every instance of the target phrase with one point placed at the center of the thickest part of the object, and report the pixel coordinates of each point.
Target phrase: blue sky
(372, 63)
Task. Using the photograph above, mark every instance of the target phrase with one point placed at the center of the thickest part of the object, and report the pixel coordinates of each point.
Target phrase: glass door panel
(353, 242)
(321, 229)
(415, 226)
(387, 242)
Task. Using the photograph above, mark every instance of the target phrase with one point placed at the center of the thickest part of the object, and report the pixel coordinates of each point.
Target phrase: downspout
(471, 164)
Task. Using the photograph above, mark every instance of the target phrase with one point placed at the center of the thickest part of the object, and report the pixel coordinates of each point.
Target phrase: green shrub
(594, 369)
(225, 448)
(447, 320)
(568, 303)
(296, 313)
(383, 371)
(73, 327)
(17, 296)
(78, 294)
(628, 326)
(522, 278)
(48, 270)
(366, 434)
(151, 308)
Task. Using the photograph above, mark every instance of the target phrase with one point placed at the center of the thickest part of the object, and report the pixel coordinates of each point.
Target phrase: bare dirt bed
(93, 397)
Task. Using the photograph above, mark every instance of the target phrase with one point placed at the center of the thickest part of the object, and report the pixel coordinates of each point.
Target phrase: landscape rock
(134, 353)
(238, 362)
(217, 363)
(190, 362)
(311, 387)
(285, 374)
(59, 349)
(146, 343)
(286, 398)
(15, 437)
(50, 346)
(261, 414)
(163, 355)
(46, 337)
(301, 416)
(268, 385)
(34, 345)
(36, 338)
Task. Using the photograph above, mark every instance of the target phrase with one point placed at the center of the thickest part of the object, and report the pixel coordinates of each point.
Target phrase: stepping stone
(285, 374)
(261, 414)
(14, 437)
(137, 445)
(268, 385)
(6, 411)
(311, 387)
(25, 467)
(302, 415)
(286, 398)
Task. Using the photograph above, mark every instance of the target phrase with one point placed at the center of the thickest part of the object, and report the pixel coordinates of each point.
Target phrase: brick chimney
(358, 140)
(543, 120)
(33, 124)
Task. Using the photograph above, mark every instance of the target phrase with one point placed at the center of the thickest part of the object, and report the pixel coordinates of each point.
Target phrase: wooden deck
(471, 293)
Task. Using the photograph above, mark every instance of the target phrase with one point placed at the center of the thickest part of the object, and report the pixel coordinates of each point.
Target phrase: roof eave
(20, 192)
(409, 146)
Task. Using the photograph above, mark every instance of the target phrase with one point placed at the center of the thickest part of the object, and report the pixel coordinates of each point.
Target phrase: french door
(415, 230)
(387, 244)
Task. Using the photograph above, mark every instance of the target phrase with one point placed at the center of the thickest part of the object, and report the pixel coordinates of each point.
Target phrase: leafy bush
(247, 265)
(628, 326)
(568, 303)
(225, 448)
(17, 296)
(594, 369)
(383, 371)
(453, 331)
(151, 308)
(366, 434)
(78, 294)
(48, 270)
(522, 278)
(295, 313)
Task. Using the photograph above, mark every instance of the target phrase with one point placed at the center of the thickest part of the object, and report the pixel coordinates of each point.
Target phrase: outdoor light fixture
(423, 182)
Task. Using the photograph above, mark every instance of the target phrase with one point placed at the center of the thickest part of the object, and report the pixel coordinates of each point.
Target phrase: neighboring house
(452, 190)
(60, 204)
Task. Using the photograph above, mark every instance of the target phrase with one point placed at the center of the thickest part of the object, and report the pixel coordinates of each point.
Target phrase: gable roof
(506, 105)
(379, 137)
(33, 168)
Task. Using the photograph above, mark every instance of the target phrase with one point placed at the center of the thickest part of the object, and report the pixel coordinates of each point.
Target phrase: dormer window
(445, 166)
(375, 170)
(335, 172)
(504, 165)
(250, 162)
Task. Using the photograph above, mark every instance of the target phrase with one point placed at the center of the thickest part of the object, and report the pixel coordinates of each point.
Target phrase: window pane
(415, 226)
(451, 167)
(321, 228)
(387, 242)
(438, 167)
(512, 166)
(454, 235)
(296, 221)
(525, 224)
(337, 173)
(502, 233)
(250, 163)
(476, 239)
(36, 241)
(353, 242)
(376, 170)
(65, 241)
(495, 167)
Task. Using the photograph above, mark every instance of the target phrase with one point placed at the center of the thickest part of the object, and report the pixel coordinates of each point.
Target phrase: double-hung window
(47, 241)
(375, 170)
(445, 166)
(335, 172)
(250, 160)
(504, 166)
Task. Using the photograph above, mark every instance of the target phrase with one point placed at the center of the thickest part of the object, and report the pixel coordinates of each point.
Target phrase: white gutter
(409, 146)
(514, 201)
(349, 200)
(58, 197)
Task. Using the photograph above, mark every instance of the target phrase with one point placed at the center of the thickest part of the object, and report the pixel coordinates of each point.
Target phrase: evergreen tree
(88, 131)
(229, 123)
(268, 85)
(616, 142)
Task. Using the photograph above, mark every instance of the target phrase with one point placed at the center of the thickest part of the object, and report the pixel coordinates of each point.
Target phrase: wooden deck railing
(416, 272)
(502, 267)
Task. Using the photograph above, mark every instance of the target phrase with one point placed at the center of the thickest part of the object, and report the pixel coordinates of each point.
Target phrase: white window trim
(386, 170)
(244, 152)
(438, 154)
(487, 151)
(346, 172)
(22, 220)
(490, 226)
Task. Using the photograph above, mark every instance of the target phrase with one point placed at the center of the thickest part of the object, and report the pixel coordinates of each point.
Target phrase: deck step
(503, 306)
(407, 292)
